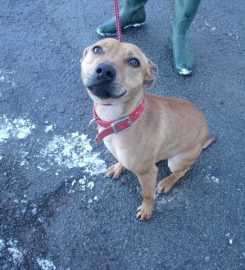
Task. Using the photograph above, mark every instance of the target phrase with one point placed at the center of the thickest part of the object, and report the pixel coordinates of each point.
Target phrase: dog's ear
(151, 74)
(84, 53)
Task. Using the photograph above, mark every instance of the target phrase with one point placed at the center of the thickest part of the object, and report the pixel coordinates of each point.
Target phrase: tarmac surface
(57, 210)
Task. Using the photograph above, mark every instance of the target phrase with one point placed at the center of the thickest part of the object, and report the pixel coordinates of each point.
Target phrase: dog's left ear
(84, 54)
(151, 74)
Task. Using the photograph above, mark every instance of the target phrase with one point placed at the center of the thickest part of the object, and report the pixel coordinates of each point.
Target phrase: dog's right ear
(151, 74)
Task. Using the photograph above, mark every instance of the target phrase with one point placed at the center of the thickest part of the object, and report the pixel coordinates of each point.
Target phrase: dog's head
(113, 70)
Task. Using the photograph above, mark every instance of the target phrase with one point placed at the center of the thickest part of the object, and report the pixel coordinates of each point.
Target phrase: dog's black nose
(105, 72)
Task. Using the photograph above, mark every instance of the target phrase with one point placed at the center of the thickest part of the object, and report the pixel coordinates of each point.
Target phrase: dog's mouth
(105, 90)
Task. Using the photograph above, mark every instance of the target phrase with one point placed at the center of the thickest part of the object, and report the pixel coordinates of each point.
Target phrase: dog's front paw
(115, 171)
(144, 211)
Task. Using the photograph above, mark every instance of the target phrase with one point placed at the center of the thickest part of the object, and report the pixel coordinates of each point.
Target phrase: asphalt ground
(57, 210)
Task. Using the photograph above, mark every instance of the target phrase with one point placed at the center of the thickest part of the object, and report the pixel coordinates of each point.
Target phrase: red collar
(120, 124)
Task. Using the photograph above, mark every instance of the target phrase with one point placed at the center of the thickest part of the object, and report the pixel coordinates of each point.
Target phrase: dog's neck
(110, 112)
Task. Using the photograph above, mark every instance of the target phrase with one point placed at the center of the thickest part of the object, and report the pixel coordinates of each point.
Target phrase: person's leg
(132, 14)
(184, 13)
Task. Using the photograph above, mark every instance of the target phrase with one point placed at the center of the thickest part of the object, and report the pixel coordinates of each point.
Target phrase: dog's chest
(108, 142)
(117, 144)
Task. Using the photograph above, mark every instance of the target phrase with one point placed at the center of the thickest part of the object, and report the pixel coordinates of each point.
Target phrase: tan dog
(115, 75)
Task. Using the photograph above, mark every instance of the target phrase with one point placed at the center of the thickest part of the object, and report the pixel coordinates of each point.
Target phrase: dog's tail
(209, 141)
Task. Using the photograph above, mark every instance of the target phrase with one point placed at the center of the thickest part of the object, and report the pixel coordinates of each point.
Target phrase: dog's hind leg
(115, 171)
(167, 183)
(178, 165)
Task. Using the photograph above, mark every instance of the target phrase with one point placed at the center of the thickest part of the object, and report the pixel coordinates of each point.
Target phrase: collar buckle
(119, 121)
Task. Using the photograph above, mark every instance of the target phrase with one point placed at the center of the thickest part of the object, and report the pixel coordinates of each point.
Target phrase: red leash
(119, 29)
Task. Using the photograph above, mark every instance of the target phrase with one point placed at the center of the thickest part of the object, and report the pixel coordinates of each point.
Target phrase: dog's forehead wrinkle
(130, 53)
(110, 44)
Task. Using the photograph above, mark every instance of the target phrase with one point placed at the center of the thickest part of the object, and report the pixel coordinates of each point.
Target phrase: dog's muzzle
(102, 82)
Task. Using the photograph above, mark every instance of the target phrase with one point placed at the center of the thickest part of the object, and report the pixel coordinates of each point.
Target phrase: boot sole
(125, 27)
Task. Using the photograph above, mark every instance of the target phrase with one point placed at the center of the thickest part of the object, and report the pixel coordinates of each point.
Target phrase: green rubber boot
(184, 13)
(131, 15)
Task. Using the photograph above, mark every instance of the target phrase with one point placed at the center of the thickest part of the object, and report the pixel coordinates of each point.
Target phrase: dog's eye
(133, 62)
(97, 50)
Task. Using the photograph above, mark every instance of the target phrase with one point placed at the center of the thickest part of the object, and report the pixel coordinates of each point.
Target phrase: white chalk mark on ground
(22, 205)
(208, 26)
(211, 28)
(213, 179)
(2, 245)
(6, 76)
(46, 264)
(205, 25)
(171, 201)
(74, 151)
(17, 254)
(49, 128)
(25, 159)
(34, 209)
(11, 247)
(94, 199)
(40, 168)
(81, 185)
(90, 185)
(19, 128)
(230, 238)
